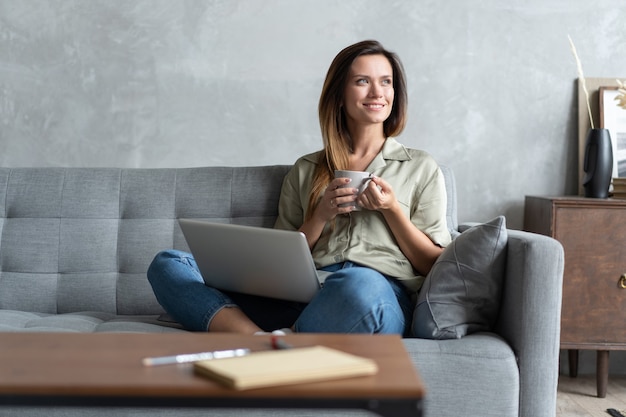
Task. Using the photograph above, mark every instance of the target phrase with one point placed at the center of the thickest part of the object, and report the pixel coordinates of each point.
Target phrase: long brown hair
(332, 118)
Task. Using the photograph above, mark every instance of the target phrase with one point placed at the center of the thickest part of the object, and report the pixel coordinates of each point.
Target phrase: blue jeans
(354, 299)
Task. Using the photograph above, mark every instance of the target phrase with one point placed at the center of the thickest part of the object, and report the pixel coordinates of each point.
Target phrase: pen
(194, 357)
(278, 343)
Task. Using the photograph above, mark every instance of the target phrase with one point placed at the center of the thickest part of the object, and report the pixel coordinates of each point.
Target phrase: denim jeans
(354, 299)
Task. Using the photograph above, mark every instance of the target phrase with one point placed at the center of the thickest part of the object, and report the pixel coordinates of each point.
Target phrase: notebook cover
(282, 367)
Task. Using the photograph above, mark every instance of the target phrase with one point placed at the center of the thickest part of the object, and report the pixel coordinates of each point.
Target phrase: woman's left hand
(416, 246)
(378, 195)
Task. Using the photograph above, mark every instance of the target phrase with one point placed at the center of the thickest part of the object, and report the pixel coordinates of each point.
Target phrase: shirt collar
(392, 150)
(395, 151)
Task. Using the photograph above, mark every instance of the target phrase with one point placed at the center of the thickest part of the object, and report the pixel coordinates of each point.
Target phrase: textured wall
(165, 83)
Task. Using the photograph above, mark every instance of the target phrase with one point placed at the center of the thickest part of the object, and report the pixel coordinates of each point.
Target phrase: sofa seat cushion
(474, 376)
(89, 321)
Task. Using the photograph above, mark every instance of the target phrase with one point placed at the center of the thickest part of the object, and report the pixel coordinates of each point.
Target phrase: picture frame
(613, 118)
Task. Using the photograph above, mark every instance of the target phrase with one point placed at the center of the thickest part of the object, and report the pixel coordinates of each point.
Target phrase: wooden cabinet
(593, 235)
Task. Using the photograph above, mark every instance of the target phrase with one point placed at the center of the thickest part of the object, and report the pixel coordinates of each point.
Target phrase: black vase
(598, 163)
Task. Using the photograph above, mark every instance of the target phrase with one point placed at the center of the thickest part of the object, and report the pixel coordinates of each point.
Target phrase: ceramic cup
(360, 180)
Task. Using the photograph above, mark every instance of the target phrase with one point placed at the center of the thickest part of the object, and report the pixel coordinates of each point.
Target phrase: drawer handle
(622, 282)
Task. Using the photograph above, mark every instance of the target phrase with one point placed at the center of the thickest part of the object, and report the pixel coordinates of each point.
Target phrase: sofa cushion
(474, 376)
(84, 322)
(461, 294)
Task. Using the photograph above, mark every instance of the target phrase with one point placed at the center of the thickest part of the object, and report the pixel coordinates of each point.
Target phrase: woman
(377, 257)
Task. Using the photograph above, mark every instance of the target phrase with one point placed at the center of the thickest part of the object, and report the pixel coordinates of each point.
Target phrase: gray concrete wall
(165, 83)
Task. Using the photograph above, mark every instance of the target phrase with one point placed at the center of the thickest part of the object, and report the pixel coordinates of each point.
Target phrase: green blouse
(363, 237)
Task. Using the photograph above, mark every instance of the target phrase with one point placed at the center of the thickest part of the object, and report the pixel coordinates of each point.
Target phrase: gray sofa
(75, 245)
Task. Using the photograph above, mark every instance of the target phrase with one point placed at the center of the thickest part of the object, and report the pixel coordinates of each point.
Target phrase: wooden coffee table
(104, 370)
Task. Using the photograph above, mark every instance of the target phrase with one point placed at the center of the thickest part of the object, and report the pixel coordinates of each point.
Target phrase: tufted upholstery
(80, 240)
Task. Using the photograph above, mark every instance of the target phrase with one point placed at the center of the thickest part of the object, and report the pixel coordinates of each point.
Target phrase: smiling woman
(338, 142)
(375, 258)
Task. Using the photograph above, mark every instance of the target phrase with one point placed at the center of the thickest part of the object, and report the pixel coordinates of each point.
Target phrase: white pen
(194, 357)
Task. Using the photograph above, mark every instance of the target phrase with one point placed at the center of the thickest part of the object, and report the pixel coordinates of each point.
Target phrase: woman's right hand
(336, 200)
(328, 208)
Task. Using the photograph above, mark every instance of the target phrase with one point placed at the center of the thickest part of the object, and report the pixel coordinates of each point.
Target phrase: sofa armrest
(530, 317)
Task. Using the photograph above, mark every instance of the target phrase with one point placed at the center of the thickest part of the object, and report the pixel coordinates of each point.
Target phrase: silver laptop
(253, 260)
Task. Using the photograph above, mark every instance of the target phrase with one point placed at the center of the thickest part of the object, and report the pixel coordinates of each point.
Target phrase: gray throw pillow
(461, 294)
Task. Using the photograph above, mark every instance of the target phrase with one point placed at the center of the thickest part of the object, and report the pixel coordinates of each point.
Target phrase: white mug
(360, 180)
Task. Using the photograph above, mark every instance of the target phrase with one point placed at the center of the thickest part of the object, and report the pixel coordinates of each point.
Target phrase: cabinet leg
(572, 355)
(602, 372)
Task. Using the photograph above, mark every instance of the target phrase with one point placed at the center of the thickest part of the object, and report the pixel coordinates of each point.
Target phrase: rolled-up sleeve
(294, 194)
(429, 211)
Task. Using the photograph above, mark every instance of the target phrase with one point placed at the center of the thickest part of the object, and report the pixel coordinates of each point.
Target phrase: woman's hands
(378, 195)
(339, 198)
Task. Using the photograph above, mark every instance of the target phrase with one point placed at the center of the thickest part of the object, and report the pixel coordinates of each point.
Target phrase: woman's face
(369, 93)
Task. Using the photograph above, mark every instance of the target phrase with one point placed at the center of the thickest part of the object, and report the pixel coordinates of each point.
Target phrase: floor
(577, 396)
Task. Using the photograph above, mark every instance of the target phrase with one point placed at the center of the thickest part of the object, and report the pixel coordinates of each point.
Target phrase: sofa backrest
(75, 239)
(81, 239)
